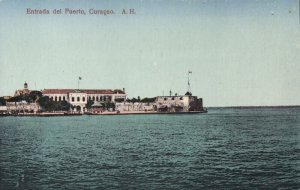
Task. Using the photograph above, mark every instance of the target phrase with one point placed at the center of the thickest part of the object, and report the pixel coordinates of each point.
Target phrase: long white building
(78, 98)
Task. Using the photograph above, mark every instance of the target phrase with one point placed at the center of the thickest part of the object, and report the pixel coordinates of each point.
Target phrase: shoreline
(62, 114)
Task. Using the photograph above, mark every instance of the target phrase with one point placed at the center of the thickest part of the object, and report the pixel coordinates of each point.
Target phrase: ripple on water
(224, 149)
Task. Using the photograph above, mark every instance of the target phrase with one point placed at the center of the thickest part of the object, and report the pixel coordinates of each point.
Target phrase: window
(78, 99)
(172, 98)
(165, 99)
(59, 98)
(93, 98)
(101, 98)
(83, 99)
(64, 98)
(90, 98)
(97, 98)
(55, 98)
(73, 99)
(181, 98)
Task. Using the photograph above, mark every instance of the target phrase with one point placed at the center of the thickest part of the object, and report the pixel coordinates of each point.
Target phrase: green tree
(148, 99)
(89, 104)
(2, 101)
(48, 104)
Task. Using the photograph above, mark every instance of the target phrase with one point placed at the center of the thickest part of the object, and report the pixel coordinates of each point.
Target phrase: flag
(79, 78)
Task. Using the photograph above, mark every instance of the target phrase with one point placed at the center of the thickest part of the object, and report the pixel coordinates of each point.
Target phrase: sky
(241, 53)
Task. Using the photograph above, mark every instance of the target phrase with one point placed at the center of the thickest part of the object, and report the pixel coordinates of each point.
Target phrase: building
(137, 106)
(22, 107)
(23, 91)
(79, 98)
(177, 103)
(3, 109)
(183, 103)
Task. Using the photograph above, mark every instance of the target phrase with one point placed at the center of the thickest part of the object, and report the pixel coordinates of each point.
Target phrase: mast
(189, 85)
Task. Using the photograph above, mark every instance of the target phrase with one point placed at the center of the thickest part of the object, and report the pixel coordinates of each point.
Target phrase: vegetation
(33, 96)
(108, 106)
(2, 101)
(133, 100)
(48, 104)
(89, 104)
(119, 100)
(148, 99)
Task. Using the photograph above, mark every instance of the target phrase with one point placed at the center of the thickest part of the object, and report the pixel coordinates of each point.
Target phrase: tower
(25, 85)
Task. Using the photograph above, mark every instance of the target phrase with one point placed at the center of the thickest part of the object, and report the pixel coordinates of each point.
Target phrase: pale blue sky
(240, 52)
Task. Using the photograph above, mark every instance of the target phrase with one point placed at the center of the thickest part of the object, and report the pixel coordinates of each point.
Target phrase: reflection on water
(226, 148)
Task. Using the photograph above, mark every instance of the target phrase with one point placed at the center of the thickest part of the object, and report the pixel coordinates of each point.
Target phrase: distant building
(22, 107)
(3, 109)
(178, 103)
(23, 91)
(79, 98)
(137, 106)
(184, 103)
(7, 97)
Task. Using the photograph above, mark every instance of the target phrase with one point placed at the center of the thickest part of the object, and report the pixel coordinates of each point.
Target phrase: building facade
(23, 91)
(178, 103)
(79, 98)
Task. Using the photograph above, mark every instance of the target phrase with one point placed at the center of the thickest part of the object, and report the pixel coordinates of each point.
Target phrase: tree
(148, 99)
(49, 105)
(119, 100)
(110, 105)
(89, 104)
(34, 96)
(65, 106)
(16, 99)
(2, 101)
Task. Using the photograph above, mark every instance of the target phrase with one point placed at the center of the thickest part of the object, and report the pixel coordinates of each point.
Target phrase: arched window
(90, 98)
(83, 99)
(93, 98)
(64, 98)
(101, 98)
(59, 98)
(73, 99)
(97, 98)
(55, 98)
(78, 99)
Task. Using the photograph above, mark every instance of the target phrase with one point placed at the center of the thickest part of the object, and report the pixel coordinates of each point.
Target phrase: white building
(178, 103)
(23, 91)
(78, 98)
(3, 109)
(22, 106)
(137, 106)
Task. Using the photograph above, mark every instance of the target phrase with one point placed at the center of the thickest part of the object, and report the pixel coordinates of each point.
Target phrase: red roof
(88, 91)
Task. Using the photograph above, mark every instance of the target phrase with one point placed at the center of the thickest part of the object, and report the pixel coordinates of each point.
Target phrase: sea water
(226, 148)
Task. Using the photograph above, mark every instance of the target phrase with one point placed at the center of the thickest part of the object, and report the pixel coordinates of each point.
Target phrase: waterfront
(223, 149)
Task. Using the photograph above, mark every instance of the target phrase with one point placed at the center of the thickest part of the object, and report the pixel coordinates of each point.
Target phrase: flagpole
(189, 86)
(79, 78)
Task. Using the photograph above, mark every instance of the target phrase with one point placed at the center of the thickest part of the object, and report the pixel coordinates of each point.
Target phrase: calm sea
(228, 148)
